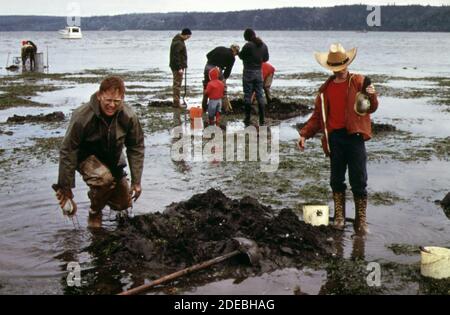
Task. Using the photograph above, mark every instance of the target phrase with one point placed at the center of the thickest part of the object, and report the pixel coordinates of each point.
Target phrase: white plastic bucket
(316, 215)
(435, 262)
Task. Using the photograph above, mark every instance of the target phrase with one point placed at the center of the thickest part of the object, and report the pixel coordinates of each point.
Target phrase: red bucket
(195, 112)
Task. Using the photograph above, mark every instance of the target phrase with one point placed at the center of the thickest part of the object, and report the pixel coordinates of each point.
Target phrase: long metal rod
(47, 60)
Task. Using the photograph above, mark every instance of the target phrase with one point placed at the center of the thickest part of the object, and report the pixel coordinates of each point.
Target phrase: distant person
(345, 131)
(253, 54)
(28, 51)
(178, 63)
(214, 92)
(268, 72)
(93, 145)
(223, 58)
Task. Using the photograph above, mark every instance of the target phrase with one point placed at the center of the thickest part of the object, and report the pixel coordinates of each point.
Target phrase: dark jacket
(34, 46)
(353, 122)
(89, 134)
(178, 54)
(223, 58)
(253, 56)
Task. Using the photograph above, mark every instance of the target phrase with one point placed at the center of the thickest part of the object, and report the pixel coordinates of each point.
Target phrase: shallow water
(37, 242)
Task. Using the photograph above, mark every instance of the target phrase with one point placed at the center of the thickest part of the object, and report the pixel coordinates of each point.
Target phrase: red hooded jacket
(215, 88)
(267, 69)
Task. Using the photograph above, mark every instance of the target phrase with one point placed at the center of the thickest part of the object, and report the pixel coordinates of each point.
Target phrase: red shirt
(215, 89)
(267, 69)
(336, 95)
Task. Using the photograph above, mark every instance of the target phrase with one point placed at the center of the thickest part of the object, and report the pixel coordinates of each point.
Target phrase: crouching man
(93, 146)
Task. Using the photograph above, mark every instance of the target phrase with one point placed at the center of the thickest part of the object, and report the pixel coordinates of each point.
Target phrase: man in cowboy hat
(345, 131)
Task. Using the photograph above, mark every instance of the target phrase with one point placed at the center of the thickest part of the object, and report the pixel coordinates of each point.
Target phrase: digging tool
(245, 246)
(184, 105)
(185, 88)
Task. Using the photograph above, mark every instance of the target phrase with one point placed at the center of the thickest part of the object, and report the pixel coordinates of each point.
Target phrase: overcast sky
(113, 7)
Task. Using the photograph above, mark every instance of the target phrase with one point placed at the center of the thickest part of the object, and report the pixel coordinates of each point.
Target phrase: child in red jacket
(214, 92)
(268, 71)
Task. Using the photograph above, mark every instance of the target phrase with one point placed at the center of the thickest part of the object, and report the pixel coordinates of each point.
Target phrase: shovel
(245, 246)
(185, 105)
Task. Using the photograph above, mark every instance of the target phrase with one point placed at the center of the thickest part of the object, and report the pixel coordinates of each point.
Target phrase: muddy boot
(95, 219)
(248, 113)
(218, 119)
(339, 210)
(360, 225)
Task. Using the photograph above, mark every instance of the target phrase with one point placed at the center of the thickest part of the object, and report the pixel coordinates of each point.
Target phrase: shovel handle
(177, 274)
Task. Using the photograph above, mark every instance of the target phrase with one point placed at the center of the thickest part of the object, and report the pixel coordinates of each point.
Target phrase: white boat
(71, 32)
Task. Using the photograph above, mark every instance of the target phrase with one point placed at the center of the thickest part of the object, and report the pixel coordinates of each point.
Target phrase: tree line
(413, 18)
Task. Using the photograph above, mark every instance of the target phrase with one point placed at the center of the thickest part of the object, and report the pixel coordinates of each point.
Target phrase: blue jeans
(214, 107)
(253, 83)
(348, 150)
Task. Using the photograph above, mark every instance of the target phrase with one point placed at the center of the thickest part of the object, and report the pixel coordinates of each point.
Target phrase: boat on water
(71, 32)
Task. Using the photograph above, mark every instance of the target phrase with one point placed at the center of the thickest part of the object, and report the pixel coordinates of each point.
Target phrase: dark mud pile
(53, 117)
(160, 104)
(445, 203)
(276, 109)
(8, 133)
(202, 228)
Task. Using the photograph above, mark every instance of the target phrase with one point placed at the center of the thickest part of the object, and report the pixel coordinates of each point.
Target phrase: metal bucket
(38, 59)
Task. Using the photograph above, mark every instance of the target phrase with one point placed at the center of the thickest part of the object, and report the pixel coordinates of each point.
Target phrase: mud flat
(202, 228)
(277, 109)
(52, 117)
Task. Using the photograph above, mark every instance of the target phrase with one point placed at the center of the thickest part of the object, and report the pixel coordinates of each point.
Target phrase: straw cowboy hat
(337, 58)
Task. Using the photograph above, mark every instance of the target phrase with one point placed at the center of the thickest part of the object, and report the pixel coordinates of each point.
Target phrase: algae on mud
(292, 185)
(52, 117)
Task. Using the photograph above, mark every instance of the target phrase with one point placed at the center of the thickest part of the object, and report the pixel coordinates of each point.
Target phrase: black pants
(348, 150)
(253, 83)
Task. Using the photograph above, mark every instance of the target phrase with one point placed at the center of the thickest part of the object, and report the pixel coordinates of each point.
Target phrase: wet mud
(52, 117)
(7, 133)
(202, 228)
(150, 246)
(160, 104)
(445, 204)
(277, 109)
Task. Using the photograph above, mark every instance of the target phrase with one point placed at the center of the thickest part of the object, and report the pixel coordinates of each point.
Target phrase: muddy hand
(301, 143)
(371, 89)
(62, 199)
(136, 191)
